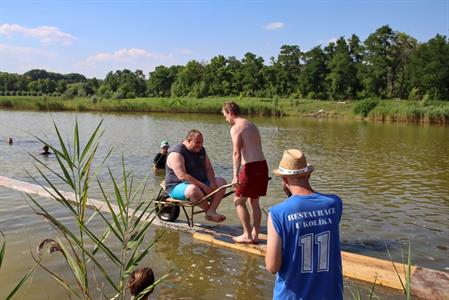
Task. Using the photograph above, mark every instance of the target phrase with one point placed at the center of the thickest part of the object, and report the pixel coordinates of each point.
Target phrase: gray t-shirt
(195, 164)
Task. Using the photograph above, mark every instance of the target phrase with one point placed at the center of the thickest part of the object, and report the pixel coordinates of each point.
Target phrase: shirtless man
(251, 181)
(190, 176)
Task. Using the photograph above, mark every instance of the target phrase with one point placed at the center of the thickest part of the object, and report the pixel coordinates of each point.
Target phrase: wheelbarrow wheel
(168, 213)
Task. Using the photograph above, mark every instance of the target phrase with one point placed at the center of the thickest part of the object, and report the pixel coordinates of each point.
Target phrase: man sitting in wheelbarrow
(190, 176)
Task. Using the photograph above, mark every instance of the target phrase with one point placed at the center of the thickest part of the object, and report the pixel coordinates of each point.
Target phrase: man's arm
(273, 254)
(210, 173)
(176, 162)
(156, 158)
(236, 155)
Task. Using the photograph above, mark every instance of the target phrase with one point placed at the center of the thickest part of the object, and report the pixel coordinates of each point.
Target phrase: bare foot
(215, 218)
(255, 236)
(242, 239)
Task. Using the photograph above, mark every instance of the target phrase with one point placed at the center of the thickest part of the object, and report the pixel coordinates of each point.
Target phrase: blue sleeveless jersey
(311, 259)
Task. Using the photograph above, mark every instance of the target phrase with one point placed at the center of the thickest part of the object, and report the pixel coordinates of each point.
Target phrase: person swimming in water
(45, 150)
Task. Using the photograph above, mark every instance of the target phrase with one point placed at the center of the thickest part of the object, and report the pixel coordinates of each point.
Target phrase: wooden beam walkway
(425, 283)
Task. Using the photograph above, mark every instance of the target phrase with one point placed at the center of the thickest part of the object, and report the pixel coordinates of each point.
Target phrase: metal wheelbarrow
(168, 209)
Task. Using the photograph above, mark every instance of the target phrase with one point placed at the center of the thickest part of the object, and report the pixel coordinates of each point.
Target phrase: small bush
(312, 95)
(414, 94)
(81, 107)
(6, 103)
(130, 95)
(363, 107)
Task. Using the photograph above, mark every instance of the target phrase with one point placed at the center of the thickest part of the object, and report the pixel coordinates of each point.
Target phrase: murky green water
(393, 179)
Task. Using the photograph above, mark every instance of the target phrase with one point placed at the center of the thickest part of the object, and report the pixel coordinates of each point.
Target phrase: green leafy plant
(2, 248)
(356, 292)
(363, 107)
(126, 217)
(406, 286)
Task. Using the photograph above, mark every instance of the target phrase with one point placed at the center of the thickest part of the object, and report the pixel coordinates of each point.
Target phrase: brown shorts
(253, 180)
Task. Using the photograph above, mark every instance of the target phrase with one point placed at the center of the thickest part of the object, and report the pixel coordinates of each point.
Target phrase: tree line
(388, 64)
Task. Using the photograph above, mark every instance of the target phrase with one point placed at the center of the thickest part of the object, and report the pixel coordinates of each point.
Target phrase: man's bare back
(248, 136)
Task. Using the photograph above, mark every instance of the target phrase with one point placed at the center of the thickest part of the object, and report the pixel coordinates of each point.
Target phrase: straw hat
(293, 164)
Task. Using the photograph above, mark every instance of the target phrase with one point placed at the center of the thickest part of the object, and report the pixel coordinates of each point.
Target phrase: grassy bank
(382, 110)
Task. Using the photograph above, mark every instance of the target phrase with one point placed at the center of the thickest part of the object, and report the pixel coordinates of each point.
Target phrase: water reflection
(201, 271)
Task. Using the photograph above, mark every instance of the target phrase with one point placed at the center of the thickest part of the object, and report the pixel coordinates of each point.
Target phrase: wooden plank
(35, 189)
(425, 283)
(372, 269)
(356, 266)
(209, 238)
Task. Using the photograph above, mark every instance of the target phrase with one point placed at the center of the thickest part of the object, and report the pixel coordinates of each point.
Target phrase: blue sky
(94, 37)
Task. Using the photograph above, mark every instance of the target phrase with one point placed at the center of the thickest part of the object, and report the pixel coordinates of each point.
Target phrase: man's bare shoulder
(174, 155)
(236, 129)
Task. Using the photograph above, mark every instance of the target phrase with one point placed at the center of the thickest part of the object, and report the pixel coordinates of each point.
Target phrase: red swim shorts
(253, 180)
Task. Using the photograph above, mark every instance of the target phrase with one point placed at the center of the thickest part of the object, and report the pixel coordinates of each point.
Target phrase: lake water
(393, 179)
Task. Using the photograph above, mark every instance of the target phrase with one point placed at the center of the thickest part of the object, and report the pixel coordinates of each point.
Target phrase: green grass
(380, 110)
(411, 111)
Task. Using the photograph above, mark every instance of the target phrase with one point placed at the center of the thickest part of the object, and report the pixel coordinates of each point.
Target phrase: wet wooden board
(226, 241)
(425, 283)
(35, 189)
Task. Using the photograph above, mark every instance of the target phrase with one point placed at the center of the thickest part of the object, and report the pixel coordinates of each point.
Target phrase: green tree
(126, 84)
(403, 49)
(74, 78)
(188, 81)
(61, 86)
(160, 81)
(10, 82)
(95, 84)
(234, 67)
(429, 69)
(312, 83)
(33, 86)
(342, 77)
(378, 61)
(218, 79)
(252, 74)
(287, 68)
(356, 51)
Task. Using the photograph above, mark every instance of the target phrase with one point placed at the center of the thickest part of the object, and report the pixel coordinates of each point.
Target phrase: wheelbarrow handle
(210, 195)
(216, 191)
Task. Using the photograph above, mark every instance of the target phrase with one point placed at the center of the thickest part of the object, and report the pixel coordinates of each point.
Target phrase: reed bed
(380, 110)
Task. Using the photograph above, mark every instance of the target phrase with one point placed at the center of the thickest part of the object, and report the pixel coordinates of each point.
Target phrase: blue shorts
(178, 192)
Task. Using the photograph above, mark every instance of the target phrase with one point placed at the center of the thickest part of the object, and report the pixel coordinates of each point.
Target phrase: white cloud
(46, 34)
(184, 51)
(18, 52)
(274, 26)
(124, 55)
(100, 64)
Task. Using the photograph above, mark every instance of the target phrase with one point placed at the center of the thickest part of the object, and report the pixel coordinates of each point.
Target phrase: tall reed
(85, 252)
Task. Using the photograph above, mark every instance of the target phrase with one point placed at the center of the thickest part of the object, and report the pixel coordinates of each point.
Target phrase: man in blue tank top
(303, 245)
(190, 175)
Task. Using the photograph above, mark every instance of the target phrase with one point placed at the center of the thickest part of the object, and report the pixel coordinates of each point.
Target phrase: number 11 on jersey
(322, 240)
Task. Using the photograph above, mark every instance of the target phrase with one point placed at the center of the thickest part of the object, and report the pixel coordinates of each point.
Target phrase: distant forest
(388, 64)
